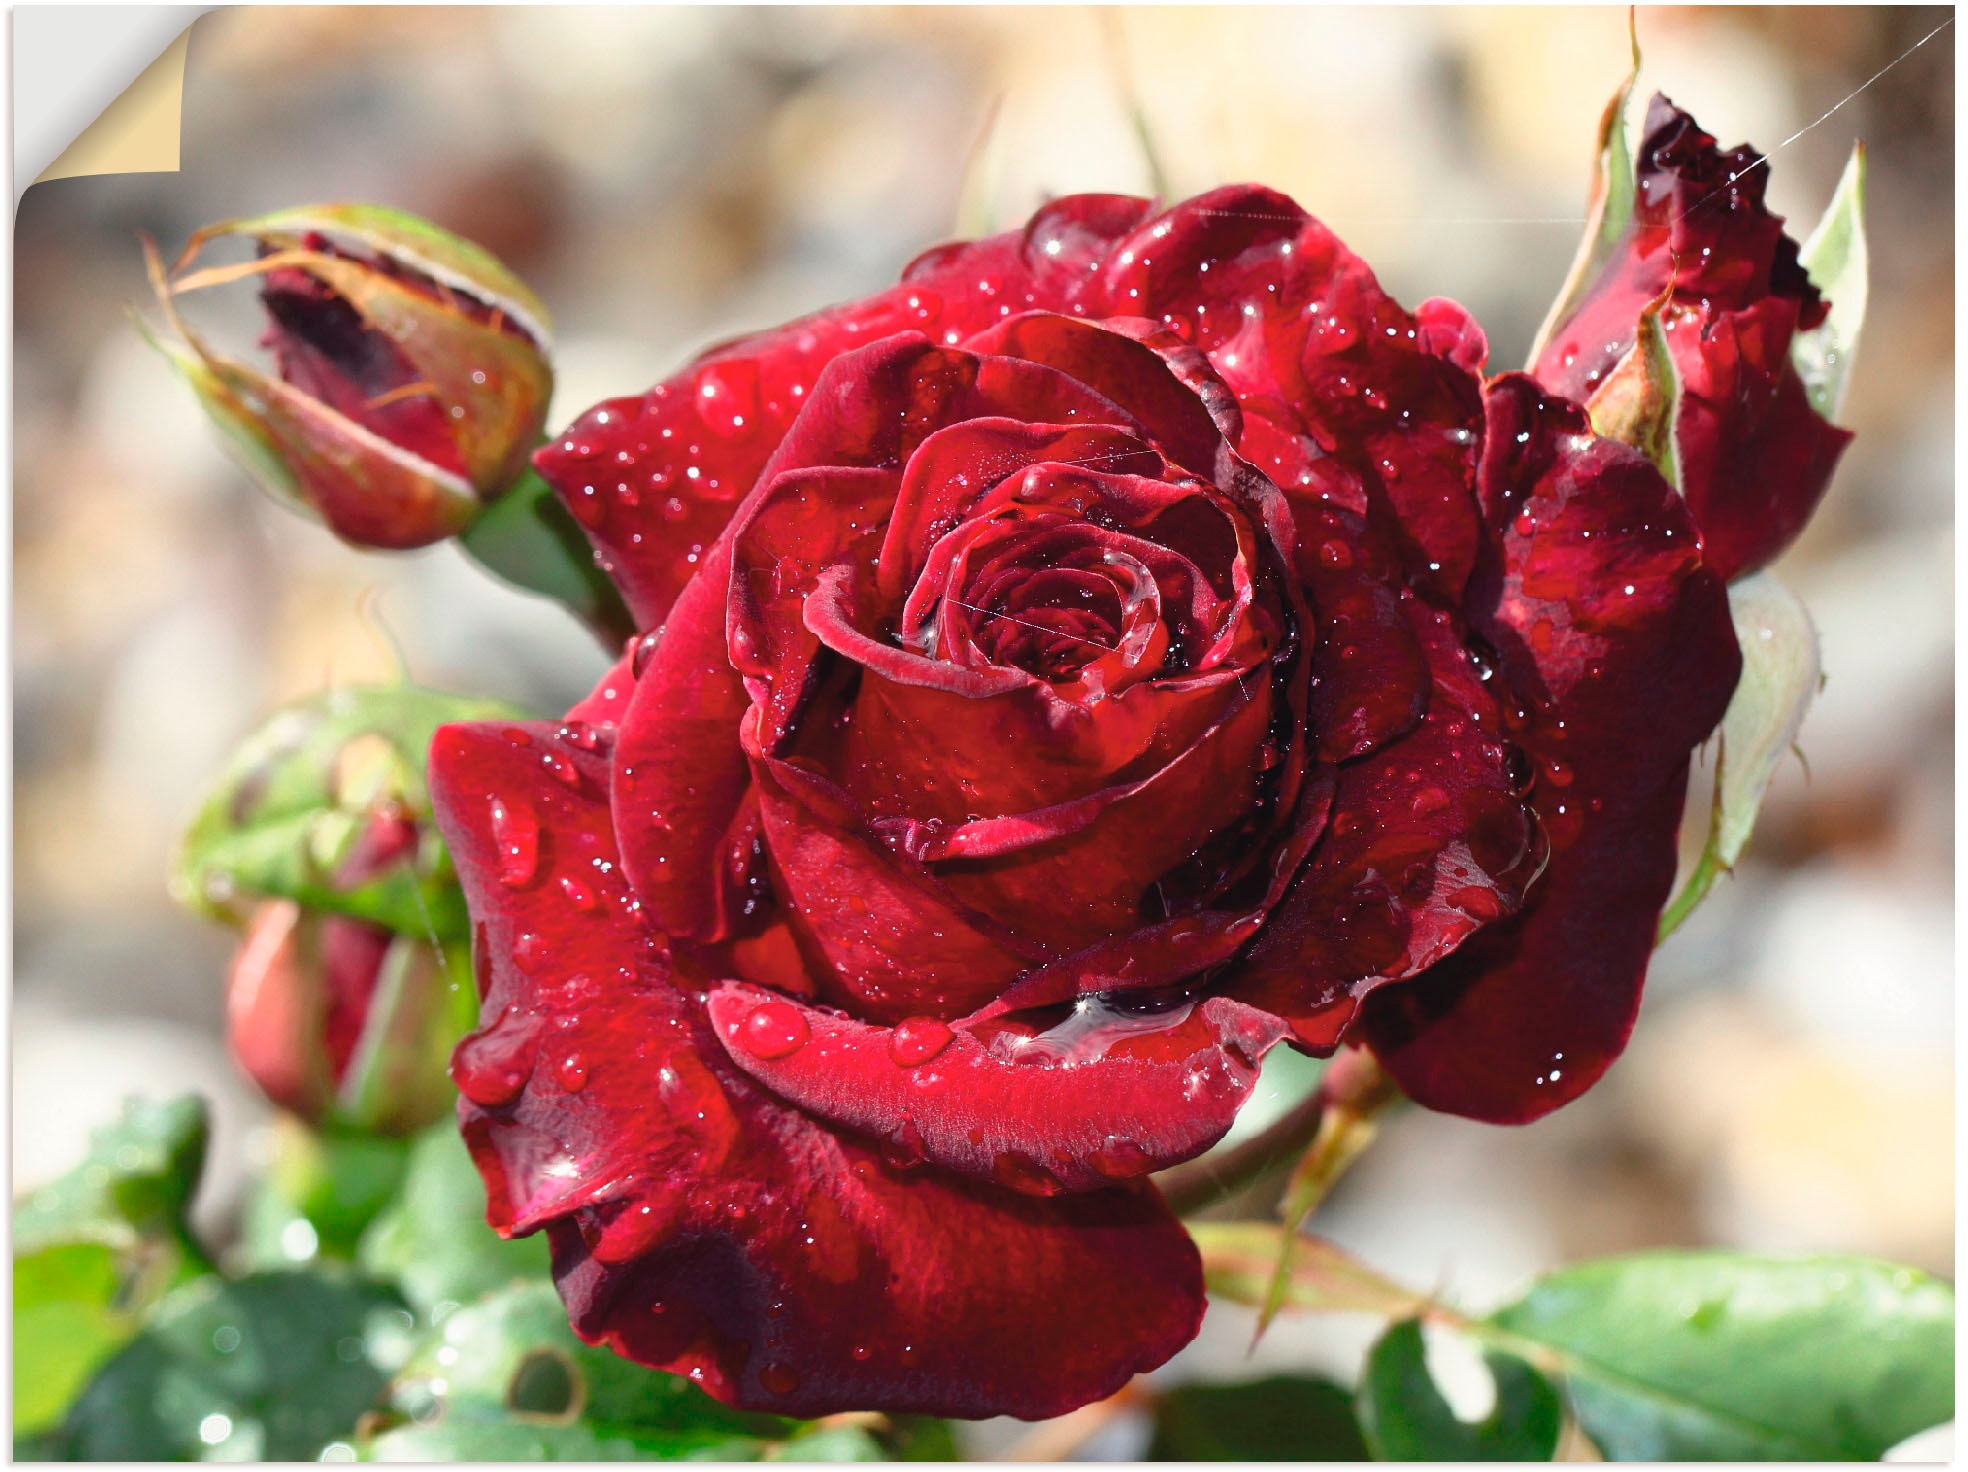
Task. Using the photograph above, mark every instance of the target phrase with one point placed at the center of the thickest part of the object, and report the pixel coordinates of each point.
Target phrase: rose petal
(703, 1228)
(655, 478)
(1428, 843)
(1605, 616)
(1104, 1096)
(894, 941)
(679, 775)
(1755, 457)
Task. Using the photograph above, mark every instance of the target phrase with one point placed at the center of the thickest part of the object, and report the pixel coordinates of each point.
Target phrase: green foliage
(532, 541)
(1681, 1356)
(300, 792)
(273, 1367)
(97, 1248)
(1406, 1418)
(1282, 1418)
(432, 1240)
(505, 1379)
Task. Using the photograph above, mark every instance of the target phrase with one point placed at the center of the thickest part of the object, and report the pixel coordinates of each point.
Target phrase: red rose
(1755, 456)
(1131, 642)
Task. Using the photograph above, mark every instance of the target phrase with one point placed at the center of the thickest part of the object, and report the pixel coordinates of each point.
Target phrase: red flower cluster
(1128, 644)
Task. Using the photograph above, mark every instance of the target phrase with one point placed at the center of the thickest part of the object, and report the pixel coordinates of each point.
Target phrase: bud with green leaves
(413, 369)
(353, 980)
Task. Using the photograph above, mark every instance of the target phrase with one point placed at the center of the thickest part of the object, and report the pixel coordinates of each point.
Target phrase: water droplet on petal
(779, 1379)
(1120, 1159)
(916, 1040)
(772, 1030)
(516, 834)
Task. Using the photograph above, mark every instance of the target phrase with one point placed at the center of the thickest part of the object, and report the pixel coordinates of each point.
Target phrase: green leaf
(1406, 1418)
(505, 1379)
(137, 1181)
(1780, 675)
(1836, 259)
(302, 789)
(95, 1249)
(1609, 210)
(321, 1192)
(433, 1239)
(1283, 1418)
(68, 1319)
(530, 540)
(272, 1367)
(1682, 1356)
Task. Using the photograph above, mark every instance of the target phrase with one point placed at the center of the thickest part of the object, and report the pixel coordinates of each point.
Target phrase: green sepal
(1780, 675)
(400, 236)
(1835, 257)
(300, 791)
(1639, 403)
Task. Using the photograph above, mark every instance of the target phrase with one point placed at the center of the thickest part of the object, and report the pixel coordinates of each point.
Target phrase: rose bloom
(1129, 644)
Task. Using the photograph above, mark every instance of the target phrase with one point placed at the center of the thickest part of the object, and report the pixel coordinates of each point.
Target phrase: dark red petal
(1323, 361)
(656, 478)
(1428, 843)
(608, 703)
(703, 1228)
(680, 777)
(324, 348)
(1756, 458)
(1370, 681)
(1120, 368)
(1605, 617)
(1104, 1096)
(894, 942)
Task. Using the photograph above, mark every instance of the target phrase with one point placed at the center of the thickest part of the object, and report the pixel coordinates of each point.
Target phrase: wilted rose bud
(413, 371)
(1701, 253)
(343, 1022)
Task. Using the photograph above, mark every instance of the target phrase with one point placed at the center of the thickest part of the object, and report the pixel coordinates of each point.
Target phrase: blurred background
(668, 177)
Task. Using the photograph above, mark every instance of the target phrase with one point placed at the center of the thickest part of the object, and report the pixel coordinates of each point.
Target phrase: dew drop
(516, 834)
(578, 894)
(779, 1379)
(772, 1030)
(916, 1040)
(572, 1071)
(1120, 1159)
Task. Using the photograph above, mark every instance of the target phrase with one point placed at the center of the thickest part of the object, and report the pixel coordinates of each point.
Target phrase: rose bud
(341, 1021)
(1129, 644)
(1700, 249)
(413, 370)
(344, 1023)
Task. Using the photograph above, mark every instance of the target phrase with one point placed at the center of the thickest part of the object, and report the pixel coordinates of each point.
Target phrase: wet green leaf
(433, 1240)
(1684, 1356)
(530, 540)
(300, 792)
(1282, 1418)
(96, 1248)
(505, 1378)
(136, 1181)
(1406, 1418)
(1835, 256)
(272, 1367)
